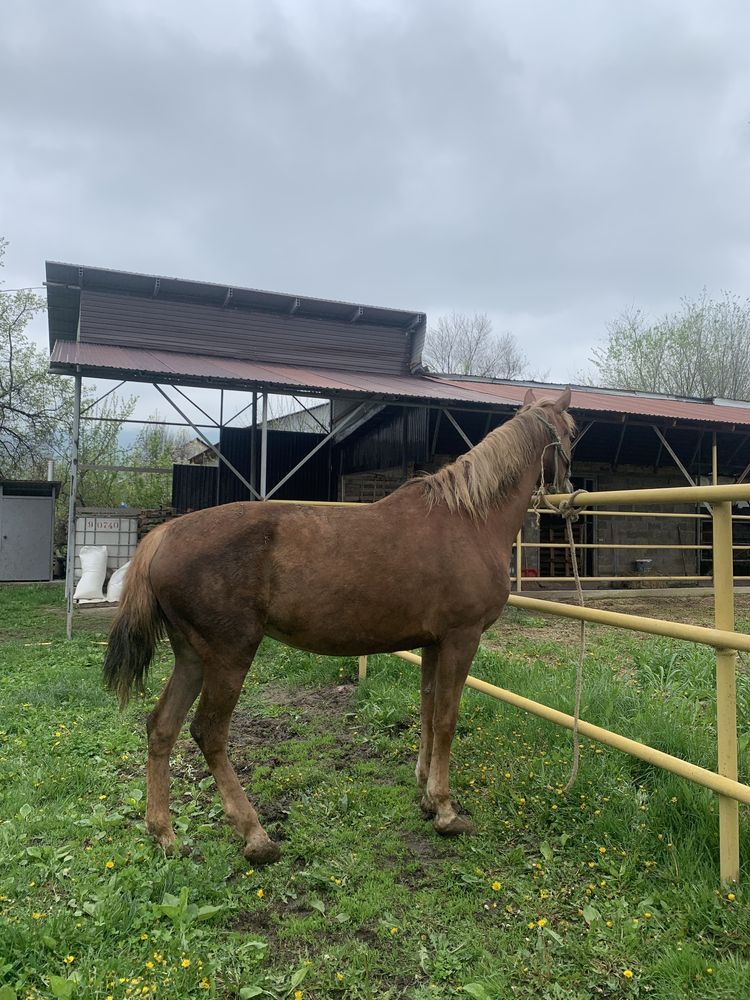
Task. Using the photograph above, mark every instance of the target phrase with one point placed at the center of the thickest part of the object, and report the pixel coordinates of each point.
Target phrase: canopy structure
(177, 335)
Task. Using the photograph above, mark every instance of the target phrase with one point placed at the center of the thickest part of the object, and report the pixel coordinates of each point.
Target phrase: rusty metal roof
(635, 404)
(138, 364)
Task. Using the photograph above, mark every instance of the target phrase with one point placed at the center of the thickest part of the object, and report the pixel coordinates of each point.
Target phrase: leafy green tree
(701, 350)
(156, 446)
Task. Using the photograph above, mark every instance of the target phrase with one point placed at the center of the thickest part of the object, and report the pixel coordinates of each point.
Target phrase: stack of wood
(150, 519)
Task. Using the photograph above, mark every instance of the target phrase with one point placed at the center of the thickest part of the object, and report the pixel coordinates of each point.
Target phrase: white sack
(116, 583)
(94, 569)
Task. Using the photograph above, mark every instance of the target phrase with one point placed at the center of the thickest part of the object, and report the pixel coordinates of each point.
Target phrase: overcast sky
(546, 163)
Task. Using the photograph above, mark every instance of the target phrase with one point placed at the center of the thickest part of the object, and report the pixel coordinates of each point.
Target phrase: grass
(609, 891)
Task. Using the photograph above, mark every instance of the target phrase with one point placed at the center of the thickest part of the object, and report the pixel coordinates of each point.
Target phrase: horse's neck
(506, 520)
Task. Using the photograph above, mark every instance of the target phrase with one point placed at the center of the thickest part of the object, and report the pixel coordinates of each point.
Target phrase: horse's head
(553, 413)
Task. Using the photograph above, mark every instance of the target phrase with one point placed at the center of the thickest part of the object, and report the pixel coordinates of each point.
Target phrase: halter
(556, 443)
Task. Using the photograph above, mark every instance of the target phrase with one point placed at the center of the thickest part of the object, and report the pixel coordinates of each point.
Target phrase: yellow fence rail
(723, 638)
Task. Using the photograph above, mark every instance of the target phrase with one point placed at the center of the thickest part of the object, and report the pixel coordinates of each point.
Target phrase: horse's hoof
(454, 827)
(263, 852)
(167, 841)
(429, 810)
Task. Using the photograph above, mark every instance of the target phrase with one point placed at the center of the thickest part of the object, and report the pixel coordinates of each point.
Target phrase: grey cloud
(546, 163)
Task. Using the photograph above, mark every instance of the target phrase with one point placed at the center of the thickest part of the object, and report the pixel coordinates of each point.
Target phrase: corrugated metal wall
(285, 449)
(394, 437)
(131, 321)
(193, 487)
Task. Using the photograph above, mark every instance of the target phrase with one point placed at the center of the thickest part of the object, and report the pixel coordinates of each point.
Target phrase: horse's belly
(353, 616)
(332, 643)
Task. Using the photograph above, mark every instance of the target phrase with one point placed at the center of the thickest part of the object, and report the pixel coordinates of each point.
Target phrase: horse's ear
(529, 398)
(563, 401)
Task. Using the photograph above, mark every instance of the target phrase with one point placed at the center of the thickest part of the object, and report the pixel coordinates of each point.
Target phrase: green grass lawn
(609, 891)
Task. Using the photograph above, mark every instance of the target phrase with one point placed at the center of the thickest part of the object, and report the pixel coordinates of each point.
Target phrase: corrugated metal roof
(614, 401)
(141, 365)
(137, 364)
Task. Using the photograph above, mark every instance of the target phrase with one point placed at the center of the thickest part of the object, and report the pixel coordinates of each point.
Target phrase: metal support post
(714, 461)
(70, 561)
(218, 466)
(458, 427)
(253, 442)
(264, 449)
(519, 558)
(726, 691)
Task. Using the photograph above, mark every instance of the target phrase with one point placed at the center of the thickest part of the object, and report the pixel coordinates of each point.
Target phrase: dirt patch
(338, 700)
(259, 730)
(252, 921)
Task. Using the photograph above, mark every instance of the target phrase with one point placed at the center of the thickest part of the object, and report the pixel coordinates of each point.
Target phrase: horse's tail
(138, 625)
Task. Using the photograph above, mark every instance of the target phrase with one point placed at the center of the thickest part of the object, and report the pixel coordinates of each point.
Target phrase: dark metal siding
(387, 443)
(130, 321)
(285, 450)
(193, 487)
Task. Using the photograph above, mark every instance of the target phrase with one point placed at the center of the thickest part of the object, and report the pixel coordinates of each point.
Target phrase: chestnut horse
(426, 566)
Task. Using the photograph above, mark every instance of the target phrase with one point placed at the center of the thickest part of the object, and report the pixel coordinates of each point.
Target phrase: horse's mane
(486, 475)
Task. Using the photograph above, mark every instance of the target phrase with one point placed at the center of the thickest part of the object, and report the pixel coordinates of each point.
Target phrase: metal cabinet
(27, 514)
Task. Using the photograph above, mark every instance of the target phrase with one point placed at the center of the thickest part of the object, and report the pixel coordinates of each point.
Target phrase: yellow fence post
(362, 667)
(726, 690)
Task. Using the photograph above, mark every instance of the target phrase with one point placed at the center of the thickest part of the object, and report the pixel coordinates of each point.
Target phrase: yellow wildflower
(731, 897)
(497, 886)
(628, 973)
(110, 864)
(394, 930)
(602, 850)
(149, 965)
(298, 995)
(542, 922)
(185, 963)
(260, 894)
(69, 959)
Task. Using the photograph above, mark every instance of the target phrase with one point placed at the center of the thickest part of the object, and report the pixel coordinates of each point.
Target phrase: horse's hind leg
(427, 707)
(163, 726)
(210, 729)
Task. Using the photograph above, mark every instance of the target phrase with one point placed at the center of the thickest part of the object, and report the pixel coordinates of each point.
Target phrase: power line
(29, 288)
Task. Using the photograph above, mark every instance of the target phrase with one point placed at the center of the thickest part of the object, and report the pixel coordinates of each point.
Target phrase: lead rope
(568, 511)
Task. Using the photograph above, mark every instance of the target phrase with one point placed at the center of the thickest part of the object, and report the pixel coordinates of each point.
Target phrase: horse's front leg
(455, 653)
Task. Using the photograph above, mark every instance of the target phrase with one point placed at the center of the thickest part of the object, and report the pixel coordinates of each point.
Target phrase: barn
(389, 418)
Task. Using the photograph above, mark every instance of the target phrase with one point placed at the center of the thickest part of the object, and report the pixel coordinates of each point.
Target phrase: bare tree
(459, 344)
(33, 403)
(701, 350)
